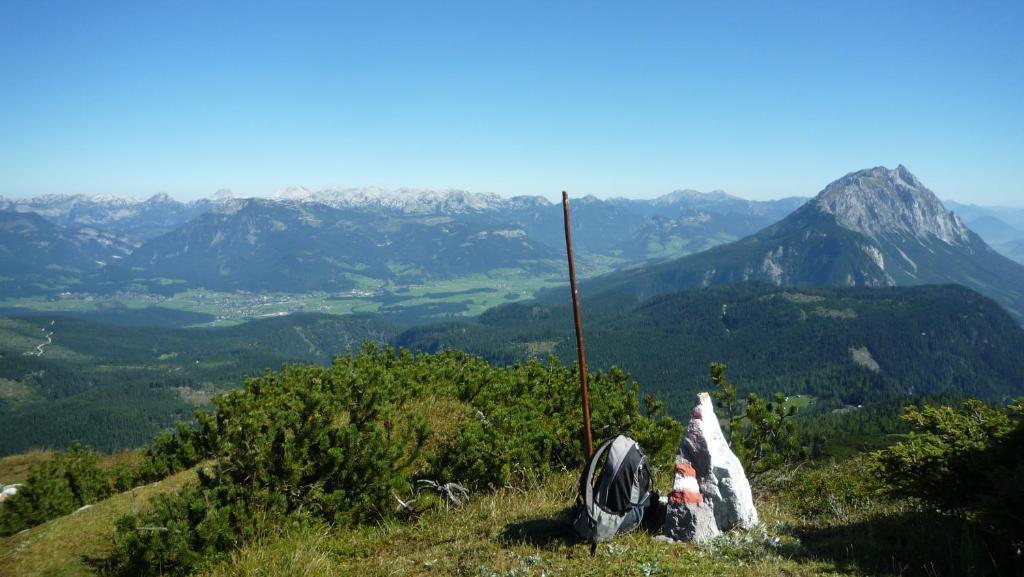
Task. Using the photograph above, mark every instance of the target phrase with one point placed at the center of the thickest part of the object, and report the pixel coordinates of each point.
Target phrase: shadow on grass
(550, 533)
(914, 543)
(546, 533)
(907, 544)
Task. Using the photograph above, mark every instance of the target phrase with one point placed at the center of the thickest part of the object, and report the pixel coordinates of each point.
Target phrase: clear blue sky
(761, 99)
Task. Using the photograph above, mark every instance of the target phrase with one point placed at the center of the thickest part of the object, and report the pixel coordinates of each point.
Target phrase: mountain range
(36, 254)
(116, 386)
(346, 239)
(135, 220)
(268, 245)
(1001, 226)
(811, 296)
(876, 227)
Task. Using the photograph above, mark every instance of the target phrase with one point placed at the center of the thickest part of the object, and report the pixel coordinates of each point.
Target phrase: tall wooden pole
(588, 440)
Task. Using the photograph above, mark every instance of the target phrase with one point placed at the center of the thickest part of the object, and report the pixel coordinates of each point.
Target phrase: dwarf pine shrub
(964, 460)
(56, 487)
(527, 423)
(177, 450)
(341, 443)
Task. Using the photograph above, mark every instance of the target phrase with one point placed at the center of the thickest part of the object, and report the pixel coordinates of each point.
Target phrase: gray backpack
(622, 493)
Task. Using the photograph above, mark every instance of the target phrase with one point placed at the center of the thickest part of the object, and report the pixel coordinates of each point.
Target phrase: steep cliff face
(881, 204)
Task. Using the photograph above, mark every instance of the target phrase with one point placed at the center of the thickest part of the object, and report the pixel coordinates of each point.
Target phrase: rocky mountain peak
(879, 202)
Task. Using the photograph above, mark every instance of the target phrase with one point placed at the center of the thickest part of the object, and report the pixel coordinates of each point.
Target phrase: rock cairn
(711, 493)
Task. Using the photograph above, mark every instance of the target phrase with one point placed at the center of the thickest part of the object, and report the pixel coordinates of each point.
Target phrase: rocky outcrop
(879, 202)
(711, 492)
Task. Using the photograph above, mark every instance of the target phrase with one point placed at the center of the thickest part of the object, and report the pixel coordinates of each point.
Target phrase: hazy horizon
(556, 197)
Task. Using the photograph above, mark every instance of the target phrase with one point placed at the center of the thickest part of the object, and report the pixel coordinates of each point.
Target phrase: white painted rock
(720, 476)
(687, 516)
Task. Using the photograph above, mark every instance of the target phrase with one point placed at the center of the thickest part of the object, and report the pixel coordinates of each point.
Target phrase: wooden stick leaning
(588, 441)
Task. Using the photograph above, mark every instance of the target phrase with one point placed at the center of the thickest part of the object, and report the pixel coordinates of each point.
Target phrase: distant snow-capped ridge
(689, 194)
(419, 200)
(405, 200)
(410, 200)
(71, 199)
(97, 200)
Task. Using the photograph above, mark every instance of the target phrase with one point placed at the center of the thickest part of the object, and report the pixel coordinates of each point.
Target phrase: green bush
(340, 443)
(844, 493)
(177, 450)
(528, 422)
(307, 441)
(844, 513)
(965, 461)
(767, 437)
(852, 511)
(56, 487)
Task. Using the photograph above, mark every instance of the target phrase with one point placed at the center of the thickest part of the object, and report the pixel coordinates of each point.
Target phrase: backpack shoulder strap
(586, 482)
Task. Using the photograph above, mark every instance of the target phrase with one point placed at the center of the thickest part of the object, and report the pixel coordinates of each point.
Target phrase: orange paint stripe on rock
(685, 488)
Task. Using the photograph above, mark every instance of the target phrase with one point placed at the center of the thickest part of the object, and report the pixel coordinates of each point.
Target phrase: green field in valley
(436, 300)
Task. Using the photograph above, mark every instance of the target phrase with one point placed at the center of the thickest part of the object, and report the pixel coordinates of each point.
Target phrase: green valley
(430, 300)
(117, 385)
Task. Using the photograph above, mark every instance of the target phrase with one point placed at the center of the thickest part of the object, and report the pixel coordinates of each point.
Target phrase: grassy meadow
(815, 521)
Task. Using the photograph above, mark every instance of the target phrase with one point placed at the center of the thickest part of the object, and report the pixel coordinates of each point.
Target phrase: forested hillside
(36, 255)
(392, 463)
(66, 378)
(848, 345)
